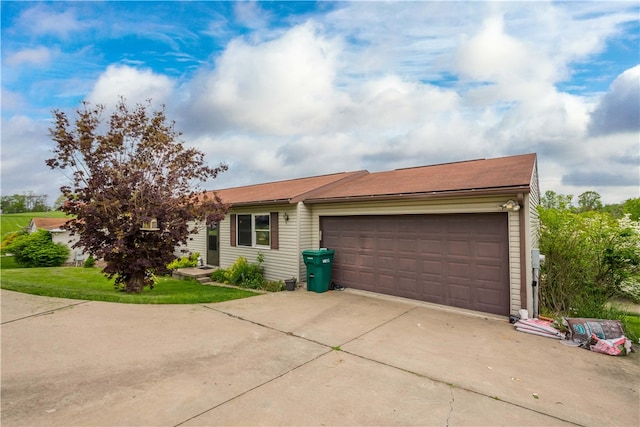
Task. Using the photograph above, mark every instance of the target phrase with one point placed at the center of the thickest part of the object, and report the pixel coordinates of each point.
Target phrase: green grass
(632, 327)
(90, 284)
(18, 221)
(8, 262)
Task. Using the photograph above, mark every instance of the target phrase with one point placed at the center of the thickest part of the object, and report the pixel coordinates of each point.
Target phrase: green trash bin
(318, 264)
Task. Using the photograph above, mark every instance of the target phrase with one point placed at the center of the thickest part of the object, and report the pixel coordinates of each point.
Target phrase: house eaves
(283, 192)
(460, 179)
(479, 192)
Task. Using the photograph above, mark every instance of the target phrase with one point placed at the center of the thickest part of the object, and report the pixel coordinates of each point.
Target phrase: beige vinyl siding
(532, 234)
(304, 221)
(515, 276)
(534, 201)
(197, 241)
(435, 206)
(279, 264)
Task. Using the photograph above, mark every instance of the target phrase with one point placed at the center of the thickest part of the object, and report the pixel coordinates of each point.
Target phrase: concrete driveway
(296, 358)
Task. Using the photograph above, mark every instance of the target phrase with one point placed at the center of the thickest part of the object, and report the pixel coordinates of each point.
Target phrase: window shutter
(232, 218)
(273, 224)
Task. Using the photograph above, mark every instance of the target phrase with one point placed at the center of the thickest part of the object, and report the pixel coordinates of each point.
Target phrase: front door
(213, 253)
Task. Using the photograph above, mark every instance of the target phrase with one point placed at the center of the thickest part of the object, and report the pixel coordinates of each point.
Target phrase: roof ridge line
(351, 176)
(440, 164)
(281, 181)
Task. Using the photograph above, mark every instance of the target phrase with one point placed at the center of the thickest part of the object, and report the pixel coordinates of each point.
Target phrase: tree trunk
(135, 284)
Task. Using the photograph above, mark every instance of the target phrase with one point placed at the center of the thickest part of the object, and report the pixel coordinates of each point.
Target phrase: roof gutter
(262, 202)
(422, 196)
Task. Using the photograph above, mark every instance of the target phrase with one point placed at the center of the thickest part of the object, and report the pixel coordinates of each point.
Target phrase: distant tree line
(26, 202)
(591, 201)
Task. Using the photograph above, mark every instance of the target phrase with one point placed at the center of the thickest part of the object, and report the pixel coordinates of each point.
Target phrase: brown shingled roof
(484, 175)
(289, 191)
(49, 223)
(481, 176)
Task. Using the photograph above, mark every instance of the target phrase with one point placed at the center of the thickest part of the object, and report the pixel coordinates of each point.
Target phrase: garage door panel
(460, 296)
(458, 270)
(366, 277)
(490, 250)
(366, 242)
(367, 260)
(489, 273)
(387, 227)
(432, 292)
(430, 247)
(347, 242)
(459, 260)
(407, 265)
(407, 245)
(407, 285)
(459, 248)
(386, 262)
(432, 267)
(386, 243)
(386, 283)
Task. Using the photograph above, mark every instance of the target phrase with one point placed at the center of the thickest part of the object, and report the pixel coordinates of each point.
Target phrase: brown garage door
(458, 260)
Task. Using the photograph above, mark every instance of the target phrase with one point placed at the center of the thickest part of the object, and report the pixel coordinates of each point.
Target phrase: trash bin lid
(318, 252)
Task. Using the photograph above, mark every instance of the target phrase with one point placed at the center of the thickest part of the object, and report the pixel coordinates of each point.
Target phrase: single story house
(457, 234)
(58, 235)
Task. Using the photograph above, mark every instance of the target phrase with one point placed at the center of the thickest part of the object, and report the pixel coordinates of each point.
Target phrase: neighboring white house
(457, 234)
(59, 235)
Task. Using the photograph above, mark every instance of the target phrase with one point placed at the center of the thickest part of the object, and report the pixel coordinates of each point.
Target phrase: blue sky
(280, 90)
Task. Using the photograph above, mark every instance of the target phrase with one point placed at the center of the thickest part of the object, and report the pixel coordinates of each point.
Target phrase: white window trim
(253, 230)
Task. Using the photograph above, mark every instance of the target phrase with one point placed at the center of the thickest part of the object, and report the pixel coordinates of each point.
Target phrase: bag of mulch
(613, 347)
(599, 335)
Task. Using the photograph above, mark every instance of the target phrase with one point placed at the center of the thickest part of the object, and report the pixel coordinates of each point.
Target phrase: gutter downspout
(523, 252)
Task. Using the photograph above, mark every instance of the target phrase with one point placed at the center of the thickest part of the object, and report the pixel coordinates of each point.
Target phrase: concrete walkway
(296, 358)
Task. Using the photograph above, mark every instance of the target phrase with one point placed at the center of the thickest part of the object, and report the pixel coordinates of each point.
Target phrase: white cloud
(249, 14)
(12, 100)
(284, 86)
(619, 109)
(22, 164)
(384, 85)
(43, 19)
(136, 85)
(37, 55)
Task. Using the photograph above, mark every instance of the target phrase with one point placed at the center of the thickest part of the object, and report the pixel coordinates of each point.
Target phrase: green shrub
(590, 258)
(89, 262)
(184, 262)
(219, 275)
(273, 286)
(9, 239)
(38, 250)
(247, 275)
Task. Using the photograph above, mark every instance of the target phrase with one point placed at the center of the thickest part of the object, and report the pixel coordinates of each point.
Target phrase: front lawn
(18, 221)
(90, 284)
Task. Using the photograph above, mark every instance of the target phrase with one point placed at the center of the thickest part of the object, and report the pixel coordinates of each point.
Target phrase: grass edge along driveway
(90, 284)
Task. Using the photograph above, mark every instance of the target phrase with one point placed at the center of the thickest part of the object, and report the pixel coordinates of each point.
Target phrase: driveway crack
(379, 326)
(254, 388)
(453, 399)
(44, 313)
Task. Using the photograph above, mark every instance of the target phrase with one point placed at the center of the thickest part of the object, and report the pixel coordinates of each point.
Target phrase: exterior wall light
(286, 217)
(510, 205)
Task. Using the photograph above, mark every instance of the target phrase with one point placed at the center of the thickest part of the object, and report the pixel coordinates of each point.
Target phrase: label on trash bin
(325, 261)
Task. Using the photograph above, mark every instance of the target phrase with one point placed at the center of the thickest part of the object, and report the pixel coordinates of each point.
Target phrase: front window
(261, 223)
(254, 230)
